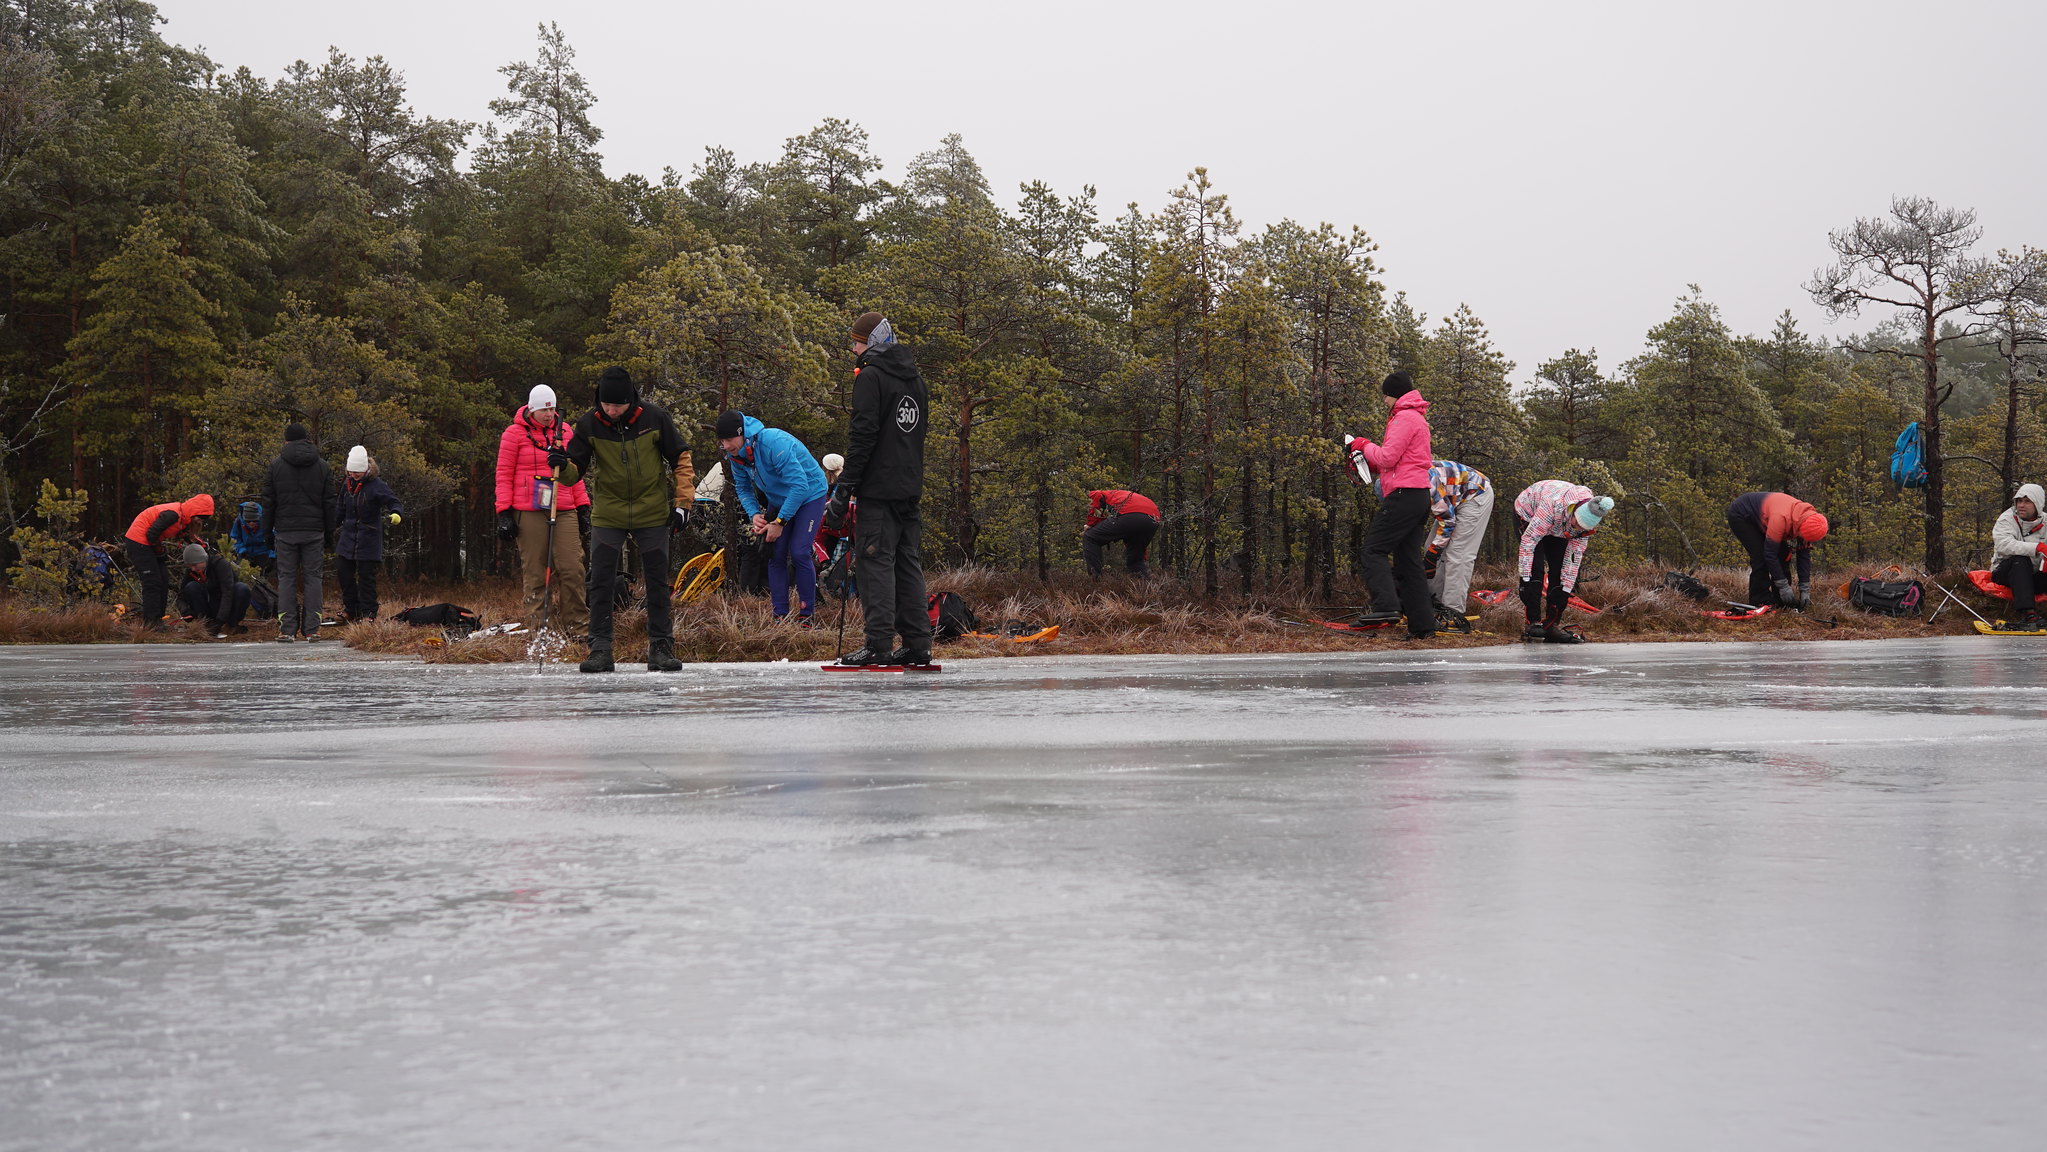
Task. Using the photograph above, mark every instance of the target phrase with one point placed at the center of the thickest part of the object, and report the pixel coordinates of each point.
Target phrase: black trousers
(889, 569)
(605, 546)
(1762, 591)
(2018, 574)
(358, 587)
(1547, 567)
(1399, 531)
(155, 579)
(227, 610)
(1134, 529)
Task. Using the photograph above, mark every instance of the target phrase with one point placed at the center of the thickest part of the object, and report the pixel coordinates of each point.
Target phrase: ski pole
(844, 594)
(547, 580)
(1950, 596)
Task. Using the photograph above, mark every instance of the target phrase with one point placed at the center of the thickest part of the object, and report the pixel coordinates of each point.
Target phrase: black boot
(868, 658)
(912, 657)
(1378, 616)
(1553, 631)
(599, 659)
(1533, 630)
(661, 656)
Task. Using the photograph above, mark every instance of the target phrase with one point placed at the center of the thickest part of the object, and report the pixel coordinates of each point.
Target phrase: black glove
(557, 459)
(1784, 594)
(835, 513)
(508, 525)
(1430, 559)
(677, 519)
(583, 519)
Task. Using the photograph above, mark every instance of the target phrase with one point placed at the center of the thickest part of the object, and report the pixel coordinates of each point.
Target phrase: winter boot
(1378, 616)
(599, 659)
(912, 657)
(1553, 630)
(868, 658)
(661, 656)
(1533, 630)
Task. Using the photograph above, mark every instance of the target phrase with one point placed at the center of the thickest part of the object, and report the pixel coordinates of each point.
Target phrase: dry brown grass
(1113, 616)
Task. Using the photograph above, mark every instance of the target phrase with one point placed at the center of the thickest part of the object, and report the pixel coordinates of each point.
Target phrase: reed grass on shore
(1116, 615)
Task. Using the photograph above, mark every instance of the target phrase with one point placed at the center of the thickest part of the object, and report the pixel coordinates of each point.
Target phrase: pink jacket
(522, 457)
(1403, 461)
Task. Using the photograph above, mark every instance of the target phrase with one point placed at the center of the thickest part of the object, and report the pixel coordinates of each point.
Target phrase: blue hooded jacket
(780, 472)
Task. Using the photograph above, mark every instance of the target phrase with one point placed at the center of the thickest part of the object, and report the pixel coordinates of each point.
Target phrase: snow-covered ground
(1630, 896)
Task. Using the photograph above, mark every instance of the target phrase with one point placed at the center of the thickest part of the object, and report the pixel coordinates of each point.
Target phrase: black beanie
(294, 431)
(1397, 384)
(730, 424)
(615, 387)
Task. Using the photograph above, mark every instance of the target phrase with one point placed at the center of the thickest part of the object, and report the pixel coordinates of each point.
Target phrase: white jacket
(2015, 537)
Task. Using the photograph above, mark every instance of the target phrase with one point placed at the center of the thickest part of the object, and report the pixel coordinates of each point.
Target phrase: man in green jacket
(634, 459)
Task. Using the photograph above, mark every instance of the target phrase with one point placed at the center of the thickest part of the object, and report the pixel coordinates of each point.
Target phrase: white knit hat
(833, 462)
(541, 398)
(358, 459)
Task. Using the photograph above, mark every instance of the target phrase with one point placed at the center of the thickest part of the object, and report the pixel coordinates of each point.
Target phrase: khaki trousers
(570, 616)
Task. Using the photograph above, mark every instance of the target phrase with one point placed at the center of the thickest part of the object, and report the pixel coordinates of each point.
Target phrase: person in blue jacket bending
(781, 487)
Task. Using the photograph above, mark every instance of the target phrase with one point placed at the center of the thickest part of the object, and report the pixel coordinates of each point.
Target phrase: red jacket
(1116, 502)
(522, 458)
(161, 522)
(1403, 461)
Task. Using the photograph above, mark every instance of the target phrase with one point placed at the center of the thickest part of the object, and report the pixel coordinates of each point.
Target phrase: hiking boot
(914, 658)
(805, 622)
(661, 656)
(599, 660)
(285, 638)
(1555, 634)
(868, 658)
(1378, 616)
(1453, 621)
(314, 638)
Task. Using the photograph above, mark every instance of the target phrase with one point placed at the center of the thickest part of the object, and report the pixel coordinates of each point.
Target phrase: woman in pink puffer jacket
(1401, 527)
(524, 480)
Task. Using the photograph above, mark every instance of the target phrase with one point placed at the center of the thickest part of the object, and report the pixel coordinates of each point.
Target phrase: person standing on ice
(303, 505)
(1771, 525)
(1462, 500)
(524, 488)
(1401, 526)
(885, 470)
(642, 487)
(782, 491)
(1557, 519)
(2018, 546)
(367, 506)
(1119, 514)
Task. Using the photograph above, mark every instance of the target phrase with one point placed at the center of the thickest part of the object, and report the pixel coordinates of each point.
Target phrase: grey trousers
(889, 539)
(299, 560)
(1452, 584)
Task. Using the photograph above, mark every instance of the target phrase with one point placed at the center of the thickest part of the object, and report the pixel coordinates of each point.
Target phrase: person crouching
(211, 594)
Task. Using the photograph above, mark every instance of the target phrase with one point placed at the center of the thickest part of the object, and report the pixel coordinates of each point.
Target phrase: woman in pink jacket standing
(525, 484)
(1402, 524)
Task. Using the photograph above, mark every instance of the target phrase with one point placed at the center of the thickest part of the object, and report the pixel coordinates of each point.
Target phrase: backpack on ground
(951, 618)
(452, 617)
(1908, 458)
(1886, 597)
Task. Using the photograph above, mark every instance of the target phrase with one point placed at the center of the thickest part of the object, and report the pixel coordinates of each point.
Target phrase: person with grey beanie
(211, 593)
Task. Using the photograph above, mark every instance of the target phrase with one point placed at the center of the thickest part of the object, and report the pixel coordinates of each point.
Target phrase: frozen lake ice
(1616, 896)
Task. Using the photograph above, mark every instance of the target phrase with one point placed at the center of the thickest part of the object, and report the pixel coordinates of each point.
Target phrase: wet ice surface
(1669, 896)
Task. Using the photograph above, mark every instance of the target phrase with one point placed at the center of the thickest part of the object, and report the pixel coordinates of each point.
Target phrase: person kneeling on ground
(1400, 527)
(367, 506)
(211, 593)
(157, 526)
(1771, 525)
(642, 487)
(783, 492)
(1557, 518)
(1462, 500)
(1119, 514)
(2019, 545)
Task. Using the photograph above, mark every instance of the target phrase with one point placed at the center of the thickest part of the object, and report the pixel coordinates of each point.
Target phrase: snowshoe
(599, 660)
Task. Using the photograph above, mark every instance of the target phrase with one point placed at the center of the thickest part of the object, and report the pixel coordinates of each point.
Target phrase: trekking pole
(1951, 596)
(845, 590)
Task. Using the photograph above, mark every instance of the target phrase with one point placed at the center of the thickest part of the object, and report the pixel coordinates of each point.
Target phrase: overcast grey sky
(1565, 168)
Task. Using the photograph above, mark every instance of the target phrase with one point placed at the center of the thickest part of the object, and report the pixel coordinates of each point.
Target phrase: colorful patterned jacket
(1450, 485)
(1549, 507)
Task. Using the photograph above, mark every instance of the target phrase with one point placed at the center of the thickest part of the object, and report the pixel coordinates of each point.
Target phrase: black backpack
(452, 617)
(950, 616)
(1886, 597)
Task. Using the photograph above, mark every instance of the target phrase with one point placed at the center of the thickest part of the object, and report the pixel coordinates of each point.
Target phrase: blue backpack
(1908, 458)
